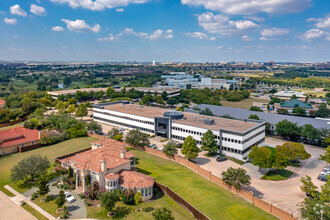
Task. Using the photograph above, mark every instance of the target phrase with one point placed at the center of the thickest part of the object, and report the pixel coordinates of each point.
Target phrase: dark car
(99, 132)
(322, 177)
(179, 145)
(311, 196)
(220, 159)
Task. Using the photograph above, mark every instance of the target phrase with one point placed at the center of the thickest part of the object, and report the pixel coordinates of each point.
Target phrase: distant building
(112, 166)
(286, 95)
(294, 103)
(14, 140)
(2, 104)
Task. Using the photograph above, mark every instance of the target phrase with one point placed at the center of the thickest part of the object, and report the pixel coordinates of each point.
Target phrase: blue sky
(165, 30)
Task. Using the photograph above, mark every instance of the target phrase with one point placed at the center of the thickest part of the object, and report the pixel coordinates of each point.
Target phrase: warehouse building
(234, 137)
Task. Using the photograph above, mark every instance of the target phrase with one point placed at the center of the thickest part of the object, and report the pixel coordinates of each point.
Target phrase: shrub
(128, 197)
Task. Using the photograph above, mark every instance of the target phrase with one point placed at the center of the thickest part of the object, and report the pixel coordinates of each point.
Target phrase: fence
(13, 122)
(249, 196)
(186, 205)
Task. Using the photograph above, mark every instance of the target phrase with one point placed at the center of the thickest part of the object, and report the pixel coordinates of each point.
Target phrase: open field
(10, 127)
(316, 92)
(245, 103)
(128, 211)
(22, 84)
(51, 152)
(209, 198)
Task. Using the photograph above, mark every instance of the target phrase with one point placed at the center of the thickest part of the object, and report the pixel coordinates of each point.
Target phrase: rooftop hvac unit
(209, 121)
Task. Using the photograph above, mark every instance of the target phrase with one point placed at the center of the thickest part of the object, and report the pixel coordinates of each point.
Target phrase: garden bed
(276, 175)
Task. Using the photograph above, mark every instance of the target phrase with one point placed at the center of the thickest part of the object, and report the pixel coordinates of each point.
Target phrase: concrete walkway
(19, 197)
(9, 210)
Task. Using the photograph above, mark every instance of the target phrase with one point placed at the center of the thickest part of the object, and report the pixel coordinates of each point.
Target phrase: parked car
(179, 145)
(322, 177)
(121, 129)
(221, 159)
(326, 168)
(69, 197)
(310, 196)
(153, 146)
(325, 172)
(99, 132)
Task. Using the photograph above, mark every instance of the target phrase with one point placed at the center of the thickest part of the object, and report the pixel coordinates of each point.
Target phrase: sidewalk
(19, 197)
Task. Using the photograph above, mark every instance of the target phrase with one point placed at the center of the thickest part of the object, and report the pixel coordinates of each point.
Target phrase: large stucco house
(111, 165)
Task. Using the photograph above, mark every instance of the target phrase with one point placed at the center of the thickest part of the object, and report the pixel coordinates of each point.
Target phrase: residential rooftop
(295, 103)
(190, 119)
(17, 136)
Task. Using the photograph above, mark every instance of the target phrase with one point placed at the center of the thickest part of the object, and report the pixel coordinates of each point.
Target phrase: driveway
(76, 209)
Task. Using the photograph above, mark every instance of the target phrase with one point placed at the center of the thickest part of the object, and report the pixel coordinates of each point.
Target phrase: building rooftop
(17, 136)
(191, 119)
(290, 93)
(92, 159)
(269, 117)
(293, 103)
(132, 180)
(2, 102)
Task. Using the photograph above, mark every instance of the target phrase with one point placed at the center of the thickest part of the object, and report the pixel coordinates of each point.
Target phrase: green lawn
(49, 205)
(23, 84)
(53, 151)
(208, 197)
(34, 212)
(10, 127)
(276, 175)
(245, 103)
(128, 211)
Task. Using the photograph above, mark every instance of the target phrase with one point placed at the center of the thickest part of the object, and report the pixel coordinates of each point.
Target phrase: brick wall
(262, 204)
(204, 173)
(281, 213)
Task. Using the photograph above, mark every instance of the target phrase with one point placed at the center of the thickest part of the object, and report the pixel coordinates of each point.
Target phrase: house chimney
(103, 165)
(123, 154)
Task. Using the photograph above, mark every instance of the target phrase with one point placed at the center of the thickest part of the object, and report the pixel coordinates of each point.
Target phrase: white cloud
(269, 32)
(255, 18)
(17, 10)
(200, 35)
(109, 38)
(156, 35)
(15, 37)
(220, 24)
(263, 38)
(246, 38)
(120, 10)
(37, 10)
(80, 26)
(251, 6)
(322, 23)
(315, 34)
(99, 5)
(57, 28)
(11, 21)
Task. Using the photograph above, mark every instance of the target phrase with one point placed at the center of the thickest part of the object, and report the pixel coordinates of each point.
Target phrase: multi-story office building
(234, 137)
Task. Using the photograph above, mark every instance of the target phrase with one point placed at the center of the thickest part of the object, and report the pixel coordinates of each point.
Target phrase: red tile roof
(92, 159)
(110, 142)
(2, 102)
(133, 179)
(111, 176)
(17, 136)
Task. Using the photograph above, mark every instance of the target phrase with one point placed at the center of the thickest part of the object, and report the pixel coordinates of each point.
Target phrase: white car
(325, 172)
(69, 197)
(121, 129)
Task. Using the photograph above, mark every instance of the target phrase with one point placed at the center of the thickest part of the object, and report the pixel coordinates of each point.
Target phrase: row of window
(110, 183)
(146, 191)
(182, 139)
(127, 118)
(242, 151)
(125, 125)
(253, 136)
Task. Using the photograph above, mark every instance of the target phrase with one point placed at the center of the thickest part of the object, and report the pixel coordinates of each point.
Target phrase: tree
(138, 199)
(71, 109)
(60, 200)
(282, 111)
(29, 168)
(206, 111)
(236, 177)
(310, 132)
(164, 95)
(81, 110)
(261, 156)
(254, 117)
(281, 157)
(113, 132)
(189, 148)
(162, 214)
(67, 81)
(159, 100)
(273, 91)
(308, 187)
(293, 97)
(170, 149)
(300, 111)
(326, 155)
(147, 99)
(93, 126)
(137, 138)
(108, 200)
(110, 91)
(288, 129)
(255, 108)
(209, 143)
(323, 111)
(43, 187)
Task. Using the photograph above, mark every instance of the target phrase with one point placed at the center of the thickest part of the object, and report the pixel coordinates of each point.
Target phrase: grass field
(209, 198)
(245, 103)
(49, 205)
(51, 152)
(22, 84)
(128, 211)
(10, 127)
(34, 212)
(317, 93)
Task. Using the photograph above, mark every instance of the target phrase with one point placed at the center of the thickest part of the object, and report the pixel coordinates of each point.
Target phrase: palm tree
(236, 177)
